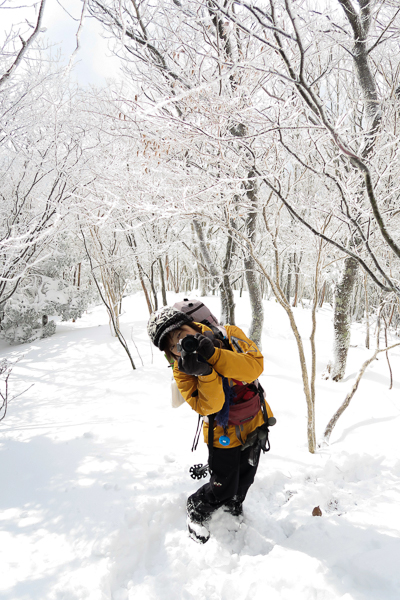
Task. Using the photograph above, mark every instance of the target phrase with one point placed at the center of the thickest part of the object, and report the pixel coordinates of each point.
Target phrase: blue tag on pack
(224, 440)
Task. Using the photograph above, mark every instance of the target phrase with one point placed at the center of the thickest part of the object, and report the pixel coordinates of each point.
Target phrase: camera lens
(189, 344)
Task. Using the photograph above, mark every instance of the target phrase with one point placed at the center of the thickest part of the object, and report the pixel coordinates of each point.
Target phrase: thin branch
(296, 215)
(25, 45)
(379, 40)
(118, 333)
(342, 408)
(77, 35)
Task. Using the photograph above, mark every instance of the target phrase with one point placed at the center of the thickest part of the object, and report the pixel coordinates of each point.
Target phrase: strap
(262, 399)
(222, 416)
(210, 441)
(238, 433)
(219, 333)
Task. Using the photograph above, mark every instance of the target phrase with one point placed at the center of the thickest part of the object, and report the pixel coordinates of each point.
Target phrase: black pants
(232, 475)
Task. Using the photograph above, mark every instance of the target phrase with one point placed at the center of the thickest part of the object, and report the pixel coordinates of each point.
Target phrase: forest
(247, 147)
(246, 153)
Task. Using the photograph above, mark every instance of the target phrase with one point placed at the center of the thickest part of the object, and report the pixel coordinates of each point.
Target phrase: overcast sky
(95, 62)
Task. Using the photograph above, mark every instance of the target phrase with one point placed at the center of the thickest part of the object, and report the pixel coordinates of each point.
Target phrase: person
(211, 380)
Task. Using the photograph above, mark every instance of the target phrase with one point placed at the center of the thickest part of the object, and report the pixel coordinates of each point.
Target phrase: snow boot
(195, 510)
(197, 520)
(234, 506)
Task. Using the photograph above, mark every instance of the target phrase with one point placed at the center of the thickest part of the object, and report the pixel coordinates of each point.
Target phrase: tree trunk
(227, 297)
(132, 244)
(252, 277)
(167, 272)
(366, 313)
(223, 283)
(201, 278)
(296, 262)
(163, 290)
(342, 317)
(322, 295)
(200, 270)
(289, 279)
(177, 276)
(360, 23)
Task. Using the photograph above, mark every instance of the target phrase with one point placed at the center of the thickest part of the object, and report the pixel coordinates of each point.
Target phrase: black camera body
(188, 345)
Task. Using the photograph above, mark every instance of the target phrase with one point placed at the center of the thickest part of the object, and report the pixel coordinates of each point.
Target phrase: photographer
(216, 378)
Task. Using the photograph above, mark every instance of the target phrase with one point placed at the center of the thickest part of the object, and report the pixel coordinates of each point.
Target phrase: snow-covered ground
(94, 476)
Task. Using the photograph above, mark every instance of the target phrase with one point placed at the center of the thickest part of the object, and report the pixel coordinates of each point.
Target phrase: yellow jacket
(205, 394)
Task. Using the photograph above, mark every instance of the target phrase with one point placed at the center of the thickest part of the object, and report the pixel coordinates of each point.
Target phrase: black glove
(206, 347)
(191, 365)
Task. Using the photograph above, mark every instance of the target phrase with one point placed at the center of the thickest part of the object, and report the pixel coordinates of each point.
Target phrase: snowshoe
(198, 532)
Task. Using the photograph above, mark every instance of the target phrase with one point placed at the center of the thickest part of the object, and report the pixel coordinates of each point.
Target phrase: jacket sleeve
(245, 366)
(205, 394)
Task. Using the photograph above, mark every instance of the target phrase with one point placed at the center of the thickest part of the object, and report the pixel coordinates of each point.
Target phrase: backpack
(201, 314)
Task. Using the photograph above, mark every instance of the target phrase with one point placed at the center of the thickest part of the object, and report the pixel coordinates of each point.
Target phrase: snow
(95, 463)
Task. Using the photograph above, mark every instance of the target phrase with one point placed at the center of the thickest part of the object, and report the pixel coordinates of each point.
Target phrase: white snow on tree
(26, 313)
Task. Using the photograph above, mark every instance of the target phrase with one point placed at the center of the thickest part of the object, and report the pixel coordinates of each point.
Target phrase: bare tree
(44, 170)
(169, 61)
(25, 46)
(340, 168)
(344, 166)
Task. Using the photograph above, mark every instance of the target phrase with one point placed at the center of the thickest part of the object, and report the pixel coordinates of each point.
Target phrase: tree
(177, 49)
(44, 156)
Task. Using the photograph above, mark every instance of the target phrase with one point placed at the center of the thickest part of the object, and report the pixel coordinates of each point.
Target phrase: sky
(95, 63)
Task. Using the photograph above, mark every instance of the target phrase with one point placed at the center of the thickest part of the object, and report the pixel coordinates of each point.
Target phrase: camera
(188, 345)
